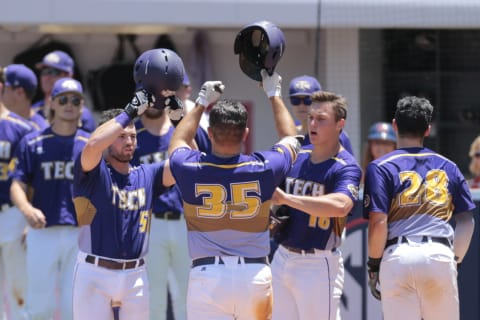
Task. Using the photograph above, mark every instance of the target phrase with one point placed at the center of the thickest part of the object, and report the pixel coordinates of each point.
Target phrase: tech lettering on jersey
(57, 170)
(153, 157)
(5, 153)
(128, 199)
(302, 187)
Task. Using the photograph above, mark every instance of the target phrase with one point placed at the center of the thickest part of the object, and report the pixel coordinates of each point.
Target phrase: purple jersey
(419, 190)
(44, 161)
(114, 209)
(12, 129)
(227, 200)
(344, 141)
(338, 174)
(38, 122)
(151, 149)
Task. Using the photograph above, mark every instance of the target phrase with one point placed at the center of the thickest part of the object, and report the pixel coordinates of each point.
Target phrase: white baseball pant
(307, 285)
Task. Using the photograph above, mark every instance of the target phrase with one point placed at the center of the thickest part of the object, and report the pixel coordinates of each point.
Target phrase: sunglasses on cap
(50, 72)
(75, 101)
(298, 100)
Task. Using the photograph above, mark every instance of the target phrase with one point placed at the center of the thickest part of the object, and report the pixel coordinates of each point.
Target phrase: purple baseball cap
(19, 75)
(65, 85)
(303, 86)
(58, 60)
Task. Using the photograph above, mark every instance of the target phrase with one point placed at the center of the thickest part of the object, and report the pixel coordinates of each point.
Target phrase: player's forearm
(19, 198)
(377, 234)
(283, 119)
(187, 128)
(464, 227)
(331, 205)
(100, 140)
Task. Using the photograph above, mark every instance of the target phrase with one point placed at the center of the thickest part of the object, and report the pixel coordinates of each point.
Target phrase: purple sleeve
(22, 163)
(377, 191)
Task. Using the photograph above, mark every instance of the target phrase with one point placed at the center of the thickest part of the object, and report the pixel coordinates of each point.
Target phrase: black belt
(168, 215)
(304, 251)
(211, 260)
(114, 265)
(425, 239)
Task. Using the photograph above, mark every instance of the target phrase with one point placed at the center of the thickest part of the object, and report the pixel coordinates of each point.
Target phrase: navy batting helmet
(158, 69)
(382, 131)
(260, 45)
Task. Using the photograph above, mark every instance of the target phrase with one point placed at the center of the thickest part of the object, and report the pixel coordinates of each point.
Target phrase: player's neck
(322, 153)
(23, 110)
(409, 143)
(64, 128)
(3, 110)
(156, 126)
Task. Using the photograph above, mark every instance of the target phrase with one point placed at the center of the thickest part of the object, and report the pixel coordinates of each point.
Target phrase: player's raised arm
(107, 132)
(272, 85)
(187, 128)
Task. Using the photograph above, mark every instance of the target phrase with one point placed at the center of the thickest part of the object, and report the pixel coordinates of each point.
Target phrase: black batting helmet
(158, 69)
(260, 45)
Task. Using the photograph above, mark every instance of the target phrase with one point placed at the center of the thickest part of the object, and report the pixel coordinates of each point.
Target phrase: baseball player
(410, 196)
(12, 223)
(319, 191)
(55, 65)
(42, 190)
(226, 201)
(300, 92)
(168, 250)
(114, 200)
(20, 87)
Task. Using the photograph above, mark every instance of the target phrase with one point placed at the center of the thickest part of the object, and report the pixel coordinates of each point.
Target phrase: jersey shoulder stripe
(413, 155)
(40, 138)
(18, 121)
(224, 166)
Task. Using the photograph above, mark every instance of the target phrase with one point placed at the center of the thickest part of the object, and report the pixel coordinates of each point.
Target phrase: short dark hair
(413, 116)
(109, 114)
(228, 120)
(338, 102)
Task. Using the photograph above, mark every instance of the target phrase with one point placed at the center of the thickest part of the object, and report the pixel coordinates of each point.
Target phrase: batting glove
(272, 85)
(373, 276)
(210, 92)
(174, 109)
(141, 100)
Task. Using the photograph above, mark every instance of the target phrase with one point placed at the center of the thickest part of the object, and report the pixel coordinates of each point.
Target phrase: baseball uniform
(168, 234)
(226, 204)
(45, 164)
(12, 222)
(420, 191)
(307, 269)
(114, 212)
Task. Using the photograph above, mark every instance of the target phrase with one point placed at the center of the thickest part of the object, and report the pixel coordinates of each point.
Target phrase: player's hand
(210, 92)
(272, 85)
(278, 197)
(36, 219)
(373, 276)
(141, 101)
(174, 109)
(374, 283)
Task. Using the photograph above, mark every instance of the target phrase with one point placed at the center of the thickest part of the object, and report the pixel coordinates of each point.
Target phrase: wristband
(374, 264)
(123, 119)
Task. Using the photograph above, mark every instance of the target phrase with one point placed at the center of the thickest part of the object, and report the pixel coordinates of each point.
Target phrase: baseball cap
(19, 75)
(65, 85)
(303, 86)
(382, 131)
(57, 59)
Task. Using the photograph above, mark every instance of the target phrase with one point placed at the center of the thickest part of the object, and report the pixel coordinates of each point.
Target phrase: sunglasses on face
(298, 100)
(75, 101)
(50, 72)
(476, 154)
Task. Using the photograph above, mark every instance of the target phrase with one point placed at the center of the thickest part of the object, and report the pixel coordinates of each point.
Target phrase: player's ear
(427, 132)
(245, 134)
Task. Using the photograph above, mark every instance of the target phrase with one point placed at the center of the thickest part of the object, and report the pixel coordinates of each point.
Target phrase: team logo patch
(366, 200)
(353, 191)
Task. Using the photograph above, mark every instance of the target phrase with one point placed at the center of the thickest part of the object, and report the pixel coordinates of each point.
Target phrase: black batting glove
(373, 265)
(141, 101)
